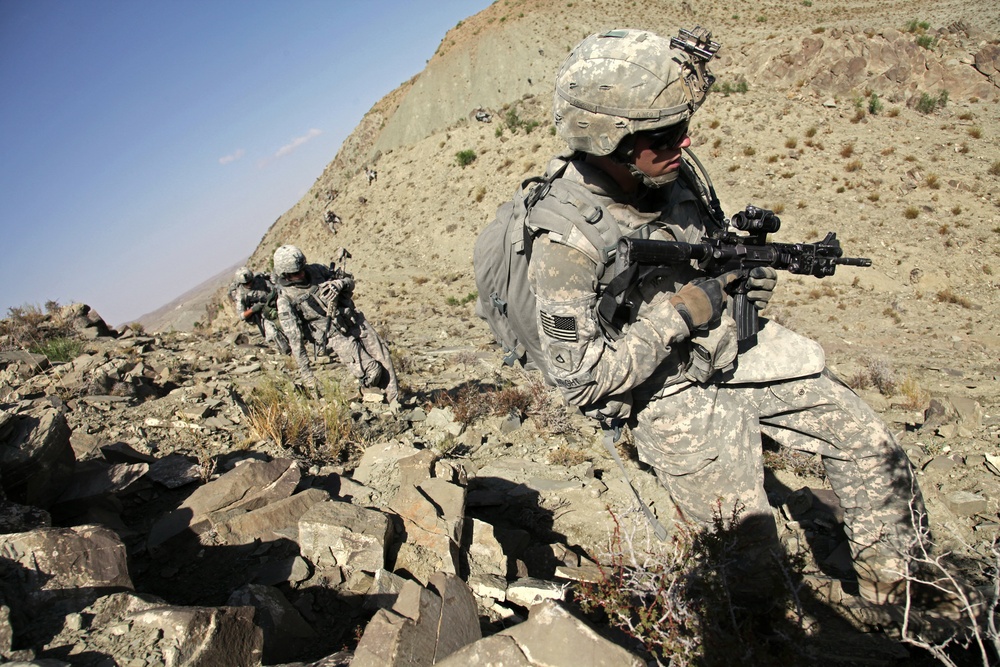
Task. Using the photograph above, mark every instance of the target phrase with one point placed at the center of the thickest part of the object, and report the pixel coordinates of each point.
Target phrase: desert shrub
(926, 41)
(874, 104)
(911, 212)
(679, 600)
(514, 122)
(875, 372)
(23, 326)
(928, 103)
(322, 431)
(728, 89)
(473, 401)
(564, 455)
(468, 298)
(802, 464)
(27, 327)
(60, 348)
(949, 296)
(914, 396)
(465, 158)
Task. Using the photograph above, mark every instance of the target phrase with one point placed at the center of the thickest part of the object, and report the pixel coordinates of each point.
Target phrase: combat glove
(701, 302)
(760, 285)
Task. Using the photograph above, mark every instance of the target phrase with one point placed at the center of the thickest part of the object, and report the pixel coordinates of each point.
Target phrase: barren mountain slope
(793, 141)
(845, 118)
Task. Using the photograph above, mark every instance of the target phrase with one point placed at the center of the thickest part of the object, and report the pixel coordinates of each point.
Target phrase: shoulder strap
(573, 216)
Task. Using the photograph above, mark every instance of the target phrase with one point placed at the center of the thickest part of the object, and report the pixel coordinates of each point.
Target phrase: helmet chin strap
(652, 181)
(623, 155)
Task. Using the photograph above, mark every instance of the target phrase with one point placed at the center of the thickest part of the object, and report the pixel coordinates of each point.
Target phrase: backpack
(571, 215)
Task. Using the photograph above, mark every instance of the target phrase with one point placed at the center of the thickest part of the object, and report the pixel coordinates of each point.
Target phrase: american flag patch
(559, 327)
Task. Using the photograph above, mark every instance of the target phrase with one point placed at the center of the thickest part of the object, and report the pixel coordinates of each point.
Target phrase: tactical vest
(573, 216)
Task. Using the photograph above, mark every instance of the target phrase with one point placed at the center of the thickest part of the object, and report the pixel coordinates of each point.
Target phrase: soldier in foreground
(254, 296)
(315, 305)
(663, 354)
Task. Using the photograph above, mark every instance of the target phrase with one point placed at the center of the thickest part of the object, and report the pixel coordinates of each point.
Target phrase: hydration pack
(571, 215)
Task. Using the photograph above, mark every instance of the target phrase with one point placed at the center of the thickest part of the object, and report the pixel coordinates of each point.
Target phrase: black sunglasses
(668, 137)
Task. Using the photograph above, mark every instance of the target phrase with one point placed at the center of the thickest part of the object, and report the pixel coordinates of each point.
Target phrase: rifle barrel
(853, 261)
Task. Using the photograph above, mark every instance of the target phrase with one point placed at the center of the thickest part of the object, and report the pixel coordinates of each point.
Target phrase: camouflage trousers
(705, 445)
(365, 355)
(274, 336)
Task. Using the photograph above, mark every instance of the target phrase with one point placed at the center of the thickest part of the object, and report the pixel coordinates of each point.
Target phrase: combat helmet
(288, 259)
(243, 275)
(621, 82)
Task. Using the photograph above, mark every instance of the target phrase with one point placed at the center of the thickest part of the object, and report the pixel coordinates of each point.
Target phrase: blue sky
(147, 145)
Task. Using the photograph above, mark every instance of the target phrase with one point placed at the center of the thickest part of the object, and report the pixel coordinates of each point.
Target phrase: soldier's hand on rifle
(701, 302)
(252, 310)
(760, 285)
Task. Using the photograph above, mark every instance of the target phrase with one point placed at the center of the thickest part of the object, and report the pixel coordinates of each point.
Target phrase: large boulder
(48, 573)
(36, 458)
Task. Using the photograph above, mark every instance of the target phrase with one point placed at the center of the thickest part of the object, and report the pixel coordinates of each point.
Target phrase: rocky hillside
(170, 499)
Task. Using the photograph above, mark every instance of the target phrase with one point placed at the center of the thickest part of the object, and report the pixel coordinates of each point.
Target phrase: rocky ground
(161, 437)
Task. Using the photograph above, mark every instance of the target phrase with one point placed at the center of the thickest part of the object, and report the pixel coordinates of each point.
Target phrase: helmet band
(631, 114)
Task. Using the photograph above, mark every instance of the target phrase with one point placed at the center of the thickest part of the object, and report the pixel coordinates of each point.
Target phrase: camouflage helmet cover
(288, 259)
(243, 275)
(617, 83)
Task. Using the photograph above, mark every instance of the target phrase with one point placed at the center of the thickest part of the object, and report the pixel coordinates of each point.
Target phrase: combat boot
(931, 608)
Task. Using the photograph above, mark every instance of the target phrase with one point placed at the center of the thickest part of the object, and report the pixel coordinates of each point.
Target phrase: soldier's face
(654, 159)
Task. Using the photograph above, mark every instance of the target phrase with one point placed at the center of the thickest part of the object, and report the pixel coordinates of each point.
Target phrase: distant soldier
(332, 220)
(483, 117)
(255, 296)
(315, 304)
(371, 174)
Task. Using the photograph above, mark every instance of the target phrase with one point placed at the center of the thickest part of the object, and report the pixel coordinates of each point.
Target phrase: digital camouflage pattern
(704, 439)
(620, 82)
(303, 313)
(256, 294)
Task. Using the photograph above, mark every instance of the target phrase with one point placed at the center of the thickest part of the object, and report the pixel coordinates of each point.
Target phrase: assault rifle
(725, 251)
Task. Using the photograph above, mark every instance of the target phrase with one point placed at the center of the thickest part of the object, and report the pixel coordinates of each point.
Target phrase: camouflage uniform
(303, 316)
(704, 438)
(258, 292)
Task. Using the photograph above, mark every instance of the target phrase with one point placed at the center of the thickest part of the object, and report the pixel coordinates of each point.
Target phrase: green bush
(728, 89)
(58, 349)
(874, 104)
(453, 301)
(928, 103)
(466, 157)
